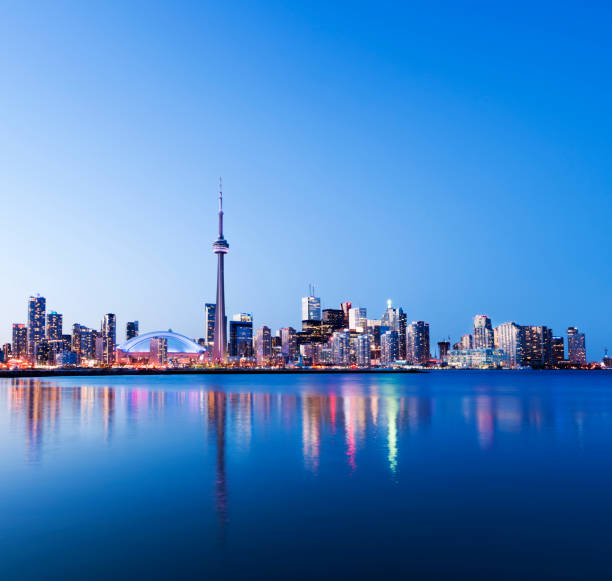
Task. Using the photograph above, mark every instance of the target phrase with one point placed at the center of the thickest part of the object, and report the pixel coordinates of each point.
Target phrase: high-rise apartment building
(36, 324)
(131, 330)
(341, 348)
(510, 341)
(417, 343)
(362, 350)
(558, 351)
(289, 343)
(54, 326)
(576, 346)
(209, 325)
(389, 347)
(19, 349)
(109, 338)
(536, 345)
(483, 333)
(401, 333)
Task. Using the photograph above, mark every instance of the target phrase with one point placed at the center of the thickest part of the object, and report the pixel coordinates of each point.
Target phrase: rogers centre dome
(178, 346)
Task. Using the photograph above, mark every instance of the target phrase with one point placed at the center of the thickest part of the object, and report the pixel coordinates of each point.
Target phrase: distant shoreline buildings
(343, 337)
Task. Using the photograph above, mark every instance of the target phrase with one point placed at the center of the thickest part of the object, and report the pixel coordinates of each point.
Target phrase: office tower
(417, 343)
(362, 350)
(576, 346)
(443, 349)
(131, 330)
(209, 325)
(346, 307)
(54, 325)
(558, 351)
(536, 345)
(6, 352)
(483, 333)
(263, 345)
(109, 337)
(467, 342)
(87, 349)
(158, 351)
(389, 347)
(220, 248)
(333, 319)
(36, 324)
(20, 341)
(358, 319)
(311, 308)
(510, 341)
(390, 318)
(402, 325)
(241, 335)
(341, 348)
(289, 343)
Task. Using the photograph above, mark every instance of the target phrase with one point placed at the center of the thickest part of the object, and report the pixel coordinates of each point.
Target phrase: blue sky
(454, 158)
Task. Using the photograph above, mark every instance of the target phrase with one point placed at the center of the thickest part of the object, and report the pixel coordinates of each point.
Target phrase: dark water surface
(446, 474)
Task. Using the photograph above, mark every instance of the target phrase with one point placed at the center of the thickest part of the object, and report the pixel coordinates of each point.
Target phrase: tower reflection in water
(336, 421)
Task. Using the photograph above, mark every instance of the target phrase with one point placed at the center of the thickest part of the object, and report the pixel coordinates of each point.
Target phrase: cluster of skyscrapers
(341, 337)
(42, 340)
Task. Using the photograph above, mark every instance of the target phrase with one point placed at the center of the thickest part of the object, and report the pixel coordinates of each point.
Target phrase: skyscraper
(263, 345)
(389, 348)
(131, 330)
(402, 324)
(341, 351)
(417, 343)
(220, 248)
(362, 350)
(158, 351)
(483, 332)
(289, 343)
(333, 319)
(358, 319)
(510, 341)
(20, 341)
(241, 335)
(536, 345)
(576, 346)
(443, 349)
(109, 338)
(36, 324)
(311, 308)
(346, 307)
(54, 326)
(558, 350)
(209, 325)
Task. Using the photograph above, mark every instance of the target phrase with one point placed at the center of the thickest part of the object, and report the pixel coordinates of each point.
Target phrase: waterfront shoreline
(26, 373)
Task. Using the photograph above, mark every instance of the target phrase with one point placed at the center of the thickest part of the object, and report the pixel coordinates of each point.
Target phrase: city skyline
(350, 137)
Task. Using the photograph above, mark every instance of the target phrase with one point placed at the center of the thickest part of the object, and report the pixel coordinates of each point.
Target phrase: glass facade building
(36, 324)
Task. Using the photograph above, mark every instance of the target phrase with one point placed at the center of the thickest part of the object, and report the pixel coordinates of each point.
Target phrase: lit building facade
(209, 325)
(36, 324)
(109, 338)
(241, 335)
(54, 326)
(475, 358)
(389, 348)
(263, 345)
(288, 343)
(509, 338)
(19, 349)
(483, 333)
(417, 343)
(576, 346)
(311, 308)
(558, 351)
(362, 350)
(131, 330)
(358, 319)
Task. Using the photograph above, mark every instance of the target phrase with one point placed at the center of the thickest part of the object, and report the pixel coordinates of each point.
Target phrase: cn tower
(220, 248)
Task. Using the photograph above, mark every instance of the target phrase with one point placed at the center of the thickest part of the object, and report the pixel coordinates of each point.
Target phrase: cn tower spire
(220, 248)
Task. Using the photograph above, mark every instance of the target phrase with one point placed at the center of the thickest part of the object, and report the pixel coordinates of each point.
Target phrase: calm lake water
(446, 474)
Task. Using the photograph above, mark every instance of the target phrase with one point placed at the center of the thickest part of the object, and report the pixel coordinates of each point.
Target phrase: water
(446, 474)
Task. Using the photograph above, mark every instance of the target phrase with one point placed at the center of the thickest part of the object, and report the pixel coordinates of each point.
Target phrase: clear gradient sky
(454, 157)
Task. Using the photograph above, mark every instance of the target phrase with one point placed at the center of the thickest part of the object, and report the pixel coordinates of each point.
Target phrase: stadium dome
(177, 343)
